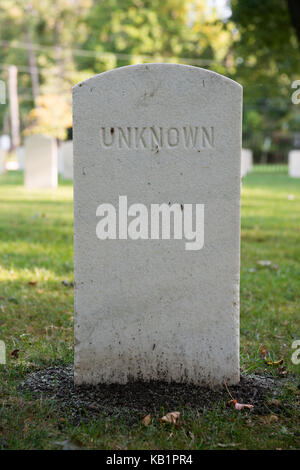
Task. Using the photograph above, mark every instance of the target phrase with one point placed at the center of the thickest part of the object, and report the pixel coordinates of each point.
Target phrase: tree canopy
(56, 44)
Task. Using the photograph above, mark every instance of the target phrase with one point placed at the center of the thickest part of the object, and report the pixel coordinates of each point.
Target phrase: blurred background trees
(56, 44)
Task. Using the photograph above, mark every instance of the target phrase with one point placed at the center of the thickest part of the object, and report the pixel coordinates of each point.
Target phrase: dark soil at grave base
(135, 400)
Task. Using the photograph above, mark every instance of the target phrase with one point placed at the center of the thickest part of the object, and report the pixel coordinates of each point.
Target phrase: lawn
(36, 323)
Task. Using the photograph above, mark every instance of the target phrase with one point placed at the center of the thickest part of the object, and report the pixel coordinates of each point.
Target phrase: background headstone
(294, 163)
(59, 159)
(40, 162)
(5, 142)
(149, 309)
(67, 160)
(2, 160)
(246, 161)
(20, 153)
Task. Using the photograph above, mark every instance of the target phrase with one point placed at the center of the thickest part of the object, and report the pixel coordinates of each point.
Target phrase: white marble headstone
(67, 160)
(20, 153)
(246, 161)
(40, 162)
(156, 299)
(2, 160)
(5, 142)
(294, 163)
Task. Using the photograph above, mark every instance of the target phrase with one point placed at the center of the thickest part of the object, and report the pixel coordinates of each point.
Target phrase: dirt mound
(135, 400)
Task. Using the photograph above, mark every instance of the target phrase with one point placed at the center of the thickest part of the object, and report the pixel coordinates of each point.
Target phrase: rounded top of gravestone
(161, 70)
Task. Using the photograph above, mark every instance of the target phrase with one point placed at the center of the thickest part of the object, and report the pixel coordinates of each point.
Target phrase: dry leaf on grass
(147, 420)
(274, 363)
(171, 418)
(240, 406)
(263, 352)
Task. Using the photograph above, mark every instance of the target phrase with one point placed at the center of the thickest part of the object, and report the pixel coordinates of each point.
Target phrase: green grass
(36, 247)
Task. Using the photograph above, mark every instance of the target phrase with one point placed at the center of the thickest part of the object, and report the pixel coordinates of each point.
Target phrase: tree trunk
(33, 67)
(14, 106)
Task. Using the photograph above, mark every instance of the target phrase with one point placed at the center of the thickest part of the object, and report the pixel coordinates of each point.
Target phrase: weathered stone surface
(40, 162)
(152, 308)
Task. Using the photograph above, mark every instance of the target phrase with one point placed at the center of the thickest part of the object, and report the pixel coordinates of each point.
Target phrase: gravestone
(67, 159)
(157, 150)
(2, 160)
(40, 162)
(59, 159)
(5, 142)
(294, 163)
(20, 153)
(246, 161)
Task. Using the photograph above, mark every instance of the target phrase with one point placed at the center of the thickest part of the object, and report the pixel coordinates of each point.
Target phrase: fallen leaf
(171, 418)
(274, 363)
(147, 420)
(15, 353)
(240, 406)
(263, 351)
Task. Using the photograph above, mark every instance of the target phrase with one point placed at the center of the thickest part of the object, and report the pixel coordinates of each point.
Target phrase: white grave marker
(294, 163)
(2, 160)
(246, 161)
(157, 181)
(20, 152)
(40, 162)
(67, 160)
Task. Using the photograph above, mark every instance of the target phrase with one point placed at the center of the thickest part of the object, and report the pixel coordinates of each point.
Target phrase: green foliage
(165, 30)
(73, 40)
(267, 56)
